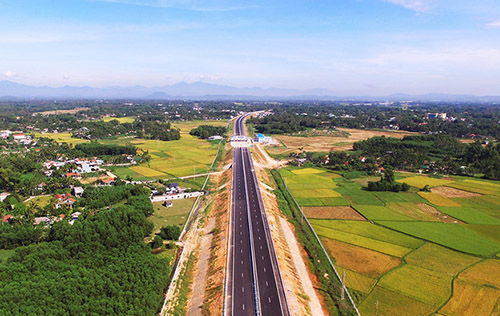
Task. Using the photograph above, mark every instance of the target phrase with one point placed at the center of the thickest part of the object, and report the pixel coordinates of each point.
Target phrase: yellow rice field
(422, 181)
(147, 172)
(470, 300)
(437, 199)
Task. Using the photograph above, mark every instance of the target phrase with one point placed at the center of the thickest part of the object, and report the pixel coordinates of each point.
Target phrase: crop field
(436, 258)
(307, 171)
(422, 181)
(123, 119)
(313, 187)
(470, 215)
(371, 231)
(437, 199)
(357, 281)
(400, 197)
(470, 300)
(427, 286)
(175, 215)
(386, 302)
(490, 231)
(418, 251)
(62, 138)
(476, 186)
(186, 156)
(485, 272)
(373, 212)
(412, 210)
(353, 239)
(368, 262)
(453, 236)
(147, 172)
(333, 212)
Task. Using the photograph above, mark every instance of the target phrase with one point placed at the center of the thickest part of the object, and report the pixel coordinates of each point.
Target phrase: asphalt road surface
(255, 284)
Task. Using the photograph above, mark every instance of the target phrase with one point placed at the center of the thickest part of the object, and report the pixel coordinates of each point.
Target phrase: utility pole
(342, 291)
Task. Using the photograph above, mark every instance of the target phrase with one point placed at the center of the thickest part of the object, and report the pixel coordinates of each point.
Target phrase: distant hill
(208, 91)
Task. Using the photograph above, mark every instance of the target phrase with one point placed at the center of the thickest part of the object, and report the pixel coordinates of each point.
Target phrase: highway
(254, 286)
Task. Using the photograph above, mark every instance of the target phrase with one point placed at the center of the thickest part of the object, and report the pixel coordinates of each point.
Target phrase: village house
(78, 191)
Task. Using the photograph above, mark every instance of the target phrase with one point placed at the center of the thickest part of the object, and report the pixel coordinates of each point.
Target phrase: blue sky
(352, 47)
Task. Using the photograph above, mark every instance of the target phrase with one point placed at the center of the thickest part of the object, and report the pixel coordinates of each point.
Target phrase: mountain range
(207, 91)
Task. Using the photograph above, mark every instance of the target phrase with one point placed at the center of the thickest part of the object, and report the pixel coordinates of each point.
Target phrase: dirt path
(314, 302)
(199, 284)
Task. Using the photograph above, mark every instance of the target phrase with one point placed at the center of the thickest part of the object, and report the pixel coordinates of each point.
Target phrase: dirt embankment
(208, 291)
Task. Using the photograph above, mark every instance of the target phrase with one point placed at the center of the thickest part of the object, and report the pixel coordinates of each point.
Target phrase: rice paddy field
(62, 138)
(178, 158)
(408, 253)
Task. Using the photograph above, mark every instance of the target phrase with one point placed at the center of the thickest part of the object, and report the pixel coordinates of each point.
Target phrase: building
(215, 137)
(260, 138)
(78, 191)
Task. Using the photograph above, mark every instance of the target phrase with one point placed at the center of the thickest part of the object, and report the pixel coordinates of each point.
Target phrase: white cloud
(415, 5)
(9, 74)
(494, 24)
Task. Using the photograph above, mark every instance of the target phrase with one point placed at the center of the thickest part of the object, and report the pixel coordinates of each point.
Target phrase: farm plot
(486, 272)
(147, 172)
(418, 283)
(307, 171)
(443, 260)
(400, 197)
(380, 246)
(490, 231)
(62, 138)
(474, 186)
(437, 199)
(411, 209)
(386, 302)
(357, 281)
(373, 212)
(470, 215)
(454, 236)
(471, 300)
(339, 201)
(421, 181)
(361, 260)
(371, 231)
(333, 212)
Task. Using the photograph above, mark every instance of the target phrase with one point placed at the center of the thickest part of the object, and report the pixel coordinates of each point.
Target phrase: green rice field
(436, 237)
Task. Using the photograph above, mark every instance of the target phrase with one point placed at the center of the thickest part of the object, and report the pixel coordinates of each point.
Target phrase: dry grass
(72, 111)
(361, 260)
(328, 143)
(471, 300)
(449, 192)
(333, 212)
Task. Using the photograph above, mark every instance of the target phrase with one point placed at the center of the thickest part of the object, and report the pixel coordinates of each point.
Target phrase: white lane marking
(267, 283)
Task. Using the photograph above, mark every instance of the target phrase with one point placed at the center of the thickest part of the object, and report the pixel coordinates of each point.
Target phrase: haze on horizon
(351, 47)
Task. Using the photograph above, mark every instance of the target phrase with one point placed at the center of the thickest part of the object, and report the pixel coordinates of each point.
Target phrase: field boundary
(321, 245)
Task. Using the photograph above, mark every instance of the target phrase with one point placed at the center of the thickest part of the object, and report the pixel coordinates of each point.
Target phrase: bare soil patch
(453, 193)
(437, 214)
(333, 212)
(358, 259)
(72, 111)
(332, 143)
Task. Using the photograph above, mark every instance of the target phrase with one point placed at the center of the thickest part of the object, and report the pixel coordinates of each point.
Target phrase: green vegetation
(174, 215)
(205, 131)
(449, 235)
(88, 256)
(94, 149)
(170, 232)
(329, 284)
(373, 212)
(470, 215)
